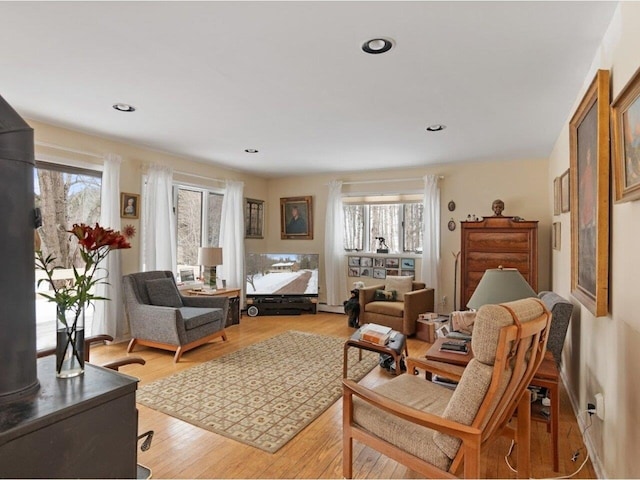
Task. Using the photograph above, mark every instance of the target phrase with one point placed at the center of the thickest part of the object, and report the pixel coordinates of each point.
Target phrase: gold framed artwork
(555, 235)
(556, 196)
(625, 112)
(296, 218)
(565, 192)
(589, 179)
(129, 205)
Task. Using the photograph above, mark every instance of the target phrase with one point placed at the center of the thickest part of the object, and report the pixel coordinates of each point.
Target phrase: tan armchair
(436, 431)
(400, 315)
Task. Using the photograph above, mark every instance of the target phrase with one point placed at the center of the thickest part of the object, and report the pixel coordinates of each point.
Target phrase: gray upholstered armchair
(561, 310)
(162, 318)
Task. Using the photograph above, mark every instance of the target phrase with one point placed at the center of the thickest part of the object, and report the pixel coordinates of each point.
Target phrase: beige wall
(522, 185)
(602, 355)
(472, 186)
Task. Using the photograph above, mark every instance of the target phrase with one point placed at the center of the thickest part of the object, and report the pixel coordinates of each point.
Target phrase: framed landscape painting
(625, 111)
(589, 178)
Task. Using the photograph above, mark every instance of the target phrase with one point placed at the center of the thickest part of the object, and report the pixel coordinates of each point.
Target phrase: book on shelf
(374, 333)
(455, 346)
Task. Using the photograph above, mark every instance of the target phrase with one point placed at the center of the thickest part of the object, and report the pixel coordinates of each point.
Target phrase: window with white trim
(398, 219)
(65, 195)
(198, 216)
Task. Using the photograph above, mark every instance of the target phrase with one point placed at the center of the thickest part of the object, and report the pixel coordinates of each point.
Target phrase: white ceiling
(210, 79)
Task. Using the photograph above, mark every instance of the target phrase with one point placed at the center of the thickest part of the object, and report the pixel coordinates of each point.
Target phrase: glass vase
(70, 343)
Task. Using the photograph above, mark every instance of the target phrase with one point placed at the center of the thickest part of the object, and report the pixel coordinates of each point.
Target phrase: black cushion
(164, 293)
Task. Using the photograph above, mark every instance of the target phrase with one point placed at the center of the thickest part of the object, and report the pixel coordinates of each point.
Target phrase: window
(65, 195)
(198, 216)
(399, 221)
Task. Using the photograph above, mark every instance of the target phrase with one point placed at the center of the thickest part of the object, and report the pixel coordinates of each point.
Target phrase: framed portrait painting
(556, 196)
(625, 112)
(296, 218)
(589, 179)
(129, 205)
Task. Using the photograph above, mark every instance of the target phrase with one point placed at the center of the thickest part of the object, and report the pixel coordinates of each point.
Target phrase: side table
(233, 316)
(395, 347)
(547, 376)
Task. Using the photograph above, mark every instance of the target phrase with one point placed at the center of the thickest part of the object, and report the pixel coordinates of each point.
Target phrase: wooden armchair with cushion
(378, 303)
(162, 318)
(436, 431)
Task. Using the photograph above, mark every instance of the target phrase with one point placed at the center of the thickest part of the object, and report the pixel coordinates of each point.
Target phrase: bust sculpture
(497, 207)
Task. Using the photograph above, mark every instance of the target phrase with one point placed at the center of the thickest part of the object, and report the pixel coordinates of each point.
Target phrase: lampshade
(209, 256)
(499, 285)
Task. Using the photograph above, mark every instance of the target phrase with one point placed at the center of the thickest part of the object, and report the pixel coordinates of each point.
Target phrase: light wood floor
(180, 450)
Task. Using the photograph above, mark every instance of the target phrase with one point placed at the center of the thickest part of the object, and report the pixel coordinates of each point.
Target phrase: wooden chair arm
(471, 436)
(94, 339)
(116, 364)
(447, 370)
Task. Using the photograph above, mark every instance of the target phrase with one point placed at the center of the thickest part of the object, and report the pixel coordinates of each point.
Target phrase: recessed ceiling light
(123, 107)
(377, 45)
(251, 150)
(436, 127)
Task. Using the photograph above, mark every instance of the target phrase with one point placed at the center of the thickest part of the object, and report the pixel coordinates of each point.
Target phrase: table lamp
(209, 258)
(499, 285)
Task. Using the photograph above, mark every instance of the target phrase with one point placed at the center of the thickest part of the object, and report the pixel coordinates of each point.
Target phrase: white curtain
(232, 236)
(334, 263)
(431, 235)
(108, 315)
(158, 227)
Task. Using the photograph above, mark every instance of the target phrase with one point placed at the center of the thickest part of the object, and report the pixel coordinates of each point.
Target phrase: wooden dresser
(496, 241)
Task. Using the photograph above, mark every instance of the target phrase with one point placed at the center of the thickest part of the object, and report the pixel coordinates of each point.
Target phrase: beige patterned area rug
(264, 394)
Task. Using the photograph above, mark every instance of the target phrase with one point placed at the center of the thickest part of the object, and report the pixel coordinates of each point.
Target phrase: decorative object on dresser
(496, 241)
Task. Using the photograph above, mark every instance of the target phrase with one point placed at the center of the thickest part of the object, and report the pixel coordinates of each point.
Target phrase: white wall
(602, 355)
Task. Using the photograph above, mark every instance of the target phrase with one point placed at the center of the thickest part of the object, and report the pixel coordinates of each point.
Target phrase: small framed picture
(565, 190)
(365, 271)
(366, 262)
(129, 205)
(354, 261)
(253, 218)
(392, 262)
(555, 235)
(378, 262)
(408, 264)
(407, 273)
(380, 273)
(394, 272)
(354, 271)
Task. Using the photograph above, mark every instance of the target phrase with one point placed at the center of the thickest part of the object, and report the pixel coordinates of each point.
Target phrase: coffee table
(395, 347)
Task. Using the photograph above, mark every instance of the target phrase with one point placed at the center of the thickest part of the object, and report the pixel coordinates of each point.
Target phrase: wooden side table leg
(344, 361)
(554, 391)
